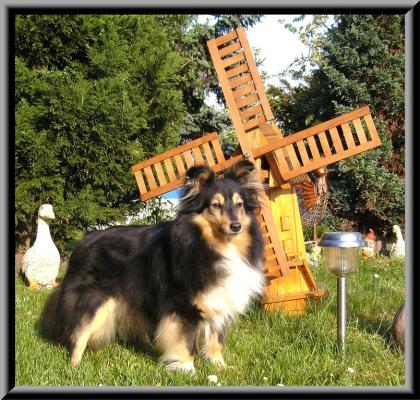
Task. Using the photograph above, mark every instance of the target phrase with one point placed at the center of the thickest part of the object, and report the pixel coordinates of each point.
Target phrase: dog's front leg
(175, 339)
(213, 345)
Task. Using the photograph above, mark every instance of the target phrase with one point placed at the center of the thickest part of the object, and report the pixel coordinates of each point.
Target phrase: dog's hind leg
(175, 339)
(95, 326)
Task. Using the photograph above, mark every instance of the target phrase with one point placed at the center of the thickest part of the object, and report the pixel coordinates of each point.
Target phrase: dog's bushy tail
(49, 323)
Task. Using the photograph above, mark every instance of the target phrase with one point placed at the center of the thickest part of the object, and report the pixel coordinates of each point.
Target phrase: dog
(176, 285)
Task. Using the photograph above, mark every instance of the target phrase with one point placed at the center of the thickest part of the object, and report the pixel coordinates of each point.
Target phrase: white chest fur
(234, 293)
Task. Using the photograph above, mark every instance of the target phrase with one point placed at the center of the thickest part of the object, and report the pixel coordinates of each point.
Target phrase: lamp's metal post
(341, 312)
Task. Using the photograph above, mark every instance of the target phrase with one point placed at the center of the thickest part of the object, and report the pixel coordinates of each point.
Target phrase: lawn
(261, 349)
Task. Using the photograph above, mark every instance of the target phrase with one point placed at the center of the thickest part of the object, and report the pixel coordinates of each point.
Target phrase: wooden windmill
(283, 163)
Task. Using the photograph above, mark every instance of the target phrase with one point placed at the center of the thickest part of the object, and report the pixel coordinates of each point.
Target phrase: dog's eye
(239, 204)
(217, 206)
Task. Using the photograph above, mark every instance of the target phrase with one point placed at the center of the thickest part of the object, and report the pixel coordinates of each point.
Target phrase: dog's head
(226, 203)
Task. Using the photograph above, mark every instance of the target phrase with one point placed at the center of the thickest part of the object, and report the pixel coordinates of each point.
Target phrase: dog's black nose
(235, 226)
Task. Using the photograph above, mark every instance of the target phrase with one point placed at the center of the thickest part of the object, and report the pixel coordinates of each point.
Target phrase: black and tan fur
(174, 284)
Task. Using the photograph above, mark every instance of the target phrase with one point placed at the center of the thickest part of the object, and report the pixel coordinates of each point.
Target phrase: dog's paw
(218, 361)
(182, 366)
(75, 359)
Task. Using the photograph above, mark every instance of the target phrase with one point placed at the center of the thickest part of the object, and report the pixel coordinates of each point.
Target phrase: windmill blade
(243, 89)
(235, 65)
(166, 171)
(324, 144)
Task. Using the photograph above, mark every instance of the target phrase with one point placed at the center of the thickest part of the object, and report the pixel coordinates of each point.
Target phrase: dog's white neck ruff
(233, 295)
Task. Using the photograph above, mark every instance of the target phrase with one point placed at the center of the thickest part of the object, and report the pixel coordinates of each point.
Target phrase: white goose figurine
(398, 247)
(41, 262)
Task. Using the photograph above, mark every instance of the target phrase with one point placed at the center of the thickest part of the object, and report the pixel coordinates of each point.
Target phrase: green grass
(261, 349)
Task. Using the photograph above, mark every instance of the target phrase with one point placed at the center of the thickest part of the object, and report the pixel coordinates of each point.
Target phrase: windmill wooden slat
(255, 75)
(303, 152)
(179, 165)
(240, 80)
(251, 111)
(337, 145)
(226, 38)
(360, 131)
(208, 154)
(150, 177)
(247, 101)
(160, 174)
(348, 136)
(230, 49)
(169, 168)
(324, 144)
(237, 70)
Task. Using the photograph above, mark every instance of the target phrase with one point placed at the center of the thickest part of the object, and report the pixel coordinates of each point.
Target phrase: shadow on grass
(139, 347)
(382, 328)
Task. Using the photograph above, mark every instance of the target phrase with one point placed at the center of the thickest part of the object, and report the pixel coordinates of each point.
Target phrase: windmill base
(293, 303)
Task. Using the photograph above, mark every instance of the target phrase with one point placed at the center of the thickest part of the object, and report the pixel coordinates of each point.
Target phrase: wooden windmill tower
(283, 163)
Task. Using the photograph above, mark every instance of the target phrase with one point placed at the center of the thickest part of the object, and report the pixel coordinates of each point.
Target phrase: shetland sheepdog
(177, 285)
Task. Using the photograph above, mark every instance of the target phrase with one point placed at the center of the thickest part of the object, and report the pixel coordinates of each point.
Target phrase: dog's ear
(196, 180)
(245, 173)
(197, 177)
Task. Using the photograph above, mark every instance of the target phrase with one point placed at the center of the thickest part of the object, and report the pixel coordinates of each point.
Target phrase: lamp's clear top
(342, 239)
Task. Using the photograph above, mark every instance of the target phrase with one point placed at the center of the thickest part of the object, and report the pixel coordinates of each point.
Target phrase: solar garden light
(341, 257)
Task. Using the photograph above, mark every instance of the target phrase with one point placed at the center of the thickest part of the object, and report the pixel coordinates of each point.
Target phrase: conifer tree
(94, 95)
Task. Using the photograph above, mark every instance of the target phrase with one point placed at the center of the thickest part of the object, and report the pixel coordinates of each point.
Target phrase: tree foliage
(86, 110)
(358, 60)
